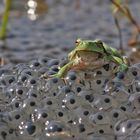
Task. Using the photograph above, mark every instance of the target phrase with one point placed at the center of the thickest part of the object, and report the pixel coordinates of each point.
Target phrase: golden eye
(77, 42)
(100, 42)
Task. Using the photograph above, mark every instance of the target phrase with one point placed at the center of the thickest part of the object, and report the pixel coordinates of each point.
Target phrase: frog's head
(79, 43)
(86, 45)
(91, 45)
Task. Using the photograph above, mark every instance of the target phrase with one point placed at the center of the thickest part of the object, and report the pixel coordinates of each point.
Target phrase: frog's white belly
(88, 62)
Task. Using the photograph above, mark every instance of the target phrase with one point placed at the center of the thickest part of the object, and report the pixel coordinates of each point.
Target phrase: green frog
(90, 55)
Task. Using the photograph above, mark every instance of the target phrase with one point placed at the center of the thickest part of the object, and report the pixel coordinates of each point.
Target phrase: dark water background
(56, 24)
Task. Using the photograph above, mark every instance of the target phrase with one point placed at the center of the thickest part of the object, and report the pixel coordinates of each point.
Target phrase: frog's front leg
(61, 73)
(122, 66)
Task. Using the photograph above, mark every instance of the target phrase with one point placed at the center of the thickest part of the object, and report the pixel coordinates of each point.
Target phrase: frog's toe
(123, 67)
(45, 76)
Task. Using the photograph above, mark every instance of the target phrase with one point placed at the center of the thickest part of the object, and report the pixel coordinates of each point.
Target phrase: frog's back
(111, 51)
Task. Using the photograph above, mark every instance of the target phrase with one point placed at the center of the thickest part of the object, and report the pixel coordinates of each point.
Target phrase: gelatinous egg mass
(83, 105)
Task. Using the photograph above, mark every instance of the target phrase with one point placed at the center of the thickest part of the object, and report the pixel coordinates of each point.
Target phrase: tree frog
(92, 54)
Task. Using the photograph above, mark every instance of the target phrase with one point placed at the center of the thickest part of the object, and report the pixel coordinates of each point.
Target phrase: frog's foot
(45, 76)
(123, 68)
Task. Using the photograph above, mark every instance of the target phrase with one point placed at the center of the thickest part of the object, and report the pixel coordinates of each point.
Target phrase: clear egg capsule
(23, 78)
(135, 137)
(7, 80)
(97, 137)
(29, 129)
(135, 100)
(54, 69)
(5, 118)
(63, 62)
(136, 86)
(126, 127)
(101, 130)
(15, 104)
(99, 118)
(30, 104)
(35, 92)
(42, 71)
(35, 65)
(16, 117)
(98, 84)
(7, 133)
(81, 130)
(63, 114)
(51, 102)
(6, 71)
(87, 96)
(106, 70)
(83, 112)
(53, 62)
(6, 94)
(44, 61)
(120, 94)
(115, 115)
(131, 75)
(104, 102)
(127, 107)
(71, 101)
(21, 91)
(123, 137)
(20, 67)
(53, 85)
(57, 128)
(71, 78)
(78, 87)
(33, 82)
(64, 91)
(42, 115)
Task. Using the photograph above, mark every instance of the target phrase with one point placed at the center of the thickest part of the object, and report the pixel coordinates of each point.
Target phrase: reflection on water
(63, 21)
(35, 8)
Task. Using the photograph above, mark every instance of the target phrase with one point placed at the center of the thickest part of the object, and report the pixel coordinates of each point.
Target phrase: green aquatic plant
(121, 9)
(3, 30)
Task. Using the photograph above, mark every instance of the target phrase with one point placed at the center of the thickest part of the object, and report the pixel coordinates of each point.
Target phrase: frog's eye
(99, 43)
(77, 42)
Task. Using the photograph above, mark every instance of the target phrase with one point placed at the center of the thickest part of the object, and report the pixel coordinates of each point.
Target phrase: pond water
(50, 27)
(96, 104)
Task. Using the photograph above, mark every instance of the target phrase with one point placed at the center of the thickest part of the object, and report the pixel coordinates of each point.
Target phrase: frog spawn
(88, 105)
